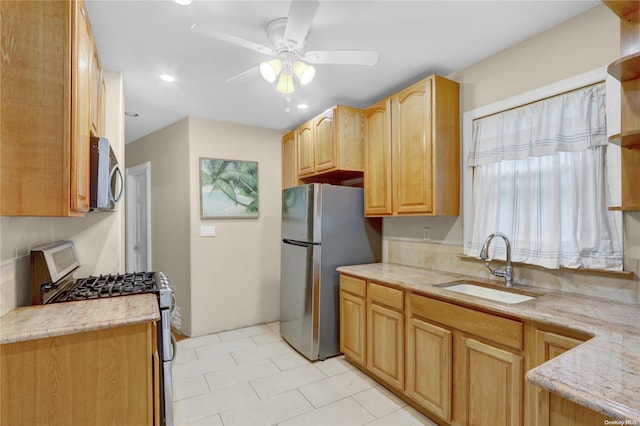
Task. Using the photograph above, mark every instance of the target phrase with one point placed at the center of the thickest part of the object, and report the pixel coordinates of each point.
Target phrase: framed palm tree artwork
(228, 189)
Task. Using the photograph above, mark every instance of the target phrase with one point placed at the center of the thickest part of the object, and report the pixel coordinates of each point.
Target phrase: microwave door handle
(115, 170)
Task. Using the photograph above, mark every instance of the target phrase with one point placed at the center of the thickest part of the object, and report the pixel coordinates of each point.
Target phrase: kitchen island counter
(602, 374)
(58, 319)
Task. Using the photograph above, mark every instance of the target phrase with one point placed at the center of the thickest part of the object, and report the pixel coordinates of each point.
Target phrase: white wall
(235, 276)
(99, 236)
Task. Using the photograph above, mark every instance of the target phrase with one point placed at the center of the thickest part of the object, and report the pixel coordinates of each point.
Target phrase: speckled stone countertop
(57, 319)
(602, 374)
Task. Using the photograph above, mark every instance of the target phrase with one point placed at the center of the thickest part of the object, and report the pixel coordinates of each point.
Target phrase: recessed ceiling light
(303, 106)
(183, 2)
(167, 77)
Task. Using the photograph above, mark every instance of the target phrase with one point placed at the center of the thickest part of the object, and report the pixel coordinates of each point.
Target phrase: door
(305, 149)
(429, 366)
(324, 143)
(289, 167)
(385, 343)
(81, 105)
(353, 320)
(492, 384)
(138, 218)
(301, 214)
(299, 295)
(376, 124)
(412, 156)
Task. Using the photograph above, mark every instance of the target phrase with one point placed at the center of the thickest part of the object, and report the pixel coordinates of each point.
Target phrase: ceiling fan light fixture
(285, 84)
(270, 69)
(304, 72)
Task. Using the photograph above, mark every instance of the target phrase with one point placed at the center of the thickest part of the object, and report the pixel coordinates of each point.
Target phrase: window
(539, 176)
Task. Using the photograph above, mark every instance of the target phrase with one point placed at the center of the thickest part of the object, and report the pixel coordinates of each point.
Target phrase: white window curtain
(539, 177)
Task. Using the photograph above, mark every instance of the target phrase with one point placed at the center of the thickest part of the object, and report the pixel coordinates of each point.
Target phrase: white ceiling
(144, 39)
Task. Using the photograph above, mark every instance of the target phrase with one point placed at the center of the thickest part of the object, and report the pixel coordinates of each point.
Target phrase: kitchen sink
(497, 295)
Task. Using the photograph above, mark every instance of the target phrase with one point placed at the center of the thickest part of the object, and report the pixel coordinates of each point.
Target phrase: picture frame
(228, 189)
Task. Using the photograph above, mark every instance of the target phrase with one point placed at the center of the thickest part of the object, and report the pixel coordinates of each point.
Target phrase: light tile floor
(251, 377)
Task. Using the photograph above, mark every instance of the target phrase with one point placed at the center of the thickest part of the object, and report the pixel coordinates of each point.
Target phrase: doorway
(138, 218)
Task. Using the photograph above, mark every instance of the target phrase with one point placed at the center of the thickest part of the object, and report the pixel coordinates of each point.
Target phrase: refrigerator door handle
(298, 243)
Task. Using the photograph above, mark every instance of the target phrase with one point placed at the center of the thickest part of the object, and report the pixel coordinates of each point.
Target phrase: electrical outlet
(426, 233)
(207, 231)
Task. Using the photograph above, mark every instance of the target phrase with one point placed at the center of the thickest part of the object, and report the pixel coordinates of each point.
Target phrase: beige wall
(233, 279)
(584, 43)
(99, 236)
(235, 276)
(168, 152)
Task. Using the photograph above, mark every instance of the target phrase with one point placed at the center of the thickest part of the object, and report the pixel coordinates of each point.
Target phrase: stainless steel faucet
(507, 272)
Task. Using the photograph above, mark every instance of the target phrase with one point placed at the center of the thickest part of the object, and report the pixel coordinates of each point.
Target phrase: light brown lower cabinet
(385, 334)
(491, 384)
(104, 377)
(429, 366)
(353, 319)
(458, 365)
(553, 410)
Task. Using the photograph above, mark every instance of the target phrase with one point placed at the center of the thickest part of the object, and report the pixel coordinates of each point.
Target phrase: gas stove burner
(109, 286)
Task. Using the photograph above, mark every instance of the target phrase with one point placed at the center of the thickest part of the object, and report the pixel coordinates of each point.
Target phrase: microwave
(107, 183)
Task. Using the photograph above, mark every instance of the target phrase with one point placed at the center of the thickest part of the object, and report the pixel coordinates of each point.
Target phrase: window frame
(572, 83)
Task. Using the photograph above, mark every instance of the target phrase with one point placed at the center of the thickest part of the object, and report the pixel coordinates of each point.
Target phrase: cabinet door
(553, 409)
(376, 124)
(58, 380)
(289, 168)
(492, 384)
(324, 143)
(411, 137)
(385, 344)
(305, 149)
(353, 319)
(82, 48)
(96, 88)
(429, 362)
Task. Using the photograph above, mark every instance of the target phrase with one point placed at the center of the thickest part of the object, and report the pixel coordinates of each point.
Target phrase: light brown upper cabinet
(289, 165)
(305, 149)
(627, 71)
(376, 128)
(97, 94)
(412, 151)
(329, 146)
(47, 56)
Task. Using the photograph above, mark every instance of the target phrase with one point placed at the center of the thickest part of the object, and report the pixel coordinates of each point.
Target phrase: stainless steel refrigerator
(323, 227)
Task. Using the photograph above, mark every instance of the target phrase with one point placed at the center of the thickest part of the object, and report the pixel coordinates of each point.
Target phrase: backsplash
(447, 257)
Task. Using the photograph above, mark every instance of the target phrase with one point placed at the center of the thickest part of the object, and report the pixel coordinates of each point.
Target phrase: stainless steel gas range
(52, 281)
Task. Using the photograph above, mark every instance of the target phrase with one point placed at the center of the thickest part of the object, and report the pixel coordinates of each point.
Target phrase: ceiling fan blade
(342, 57)
(245, 75)
(207, 31)
(299, 20)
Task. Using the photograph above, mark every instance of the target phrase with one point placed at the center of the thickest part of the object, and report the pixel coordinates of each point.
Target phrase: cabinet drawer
(494, 328)
(386, 296)
(353, 285)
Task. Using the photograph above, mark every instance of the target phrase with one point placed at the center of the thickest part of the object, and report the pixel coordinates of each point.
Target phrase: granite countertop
(602, 374)
(57, 319)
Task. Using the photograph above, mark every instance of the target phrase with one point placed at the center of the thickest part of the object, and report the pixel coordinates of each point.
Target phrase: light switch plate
(207, 231)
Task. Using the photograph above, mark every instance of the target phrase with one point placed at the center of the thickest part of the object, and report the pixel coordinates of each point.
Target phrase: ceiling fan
(287, 37)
